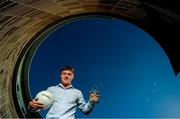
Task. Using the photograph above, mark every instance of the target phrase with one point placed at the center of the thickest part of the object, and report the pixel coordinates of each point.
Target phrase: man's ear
(73, 77)
(60, 76)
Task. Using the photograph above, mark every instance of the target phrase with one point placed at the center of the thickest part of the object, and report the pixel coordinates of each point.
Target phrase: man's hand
(93, 97)
(35, 104)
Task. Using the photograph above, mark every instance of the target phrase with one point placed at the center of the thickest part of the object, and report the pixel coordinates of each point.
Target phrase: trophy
(94, 90)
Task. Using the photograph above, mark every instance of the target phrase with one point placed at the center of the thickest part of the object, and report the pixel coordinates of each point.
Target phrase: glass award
(94, 90)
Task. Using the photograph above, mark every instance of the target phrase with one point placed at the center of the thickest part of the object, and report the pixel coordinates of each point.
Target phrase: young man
(67, 98)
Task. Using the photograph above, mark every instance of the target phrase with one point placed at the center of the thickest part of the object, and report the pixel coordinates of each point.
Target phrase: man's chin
(66, 84)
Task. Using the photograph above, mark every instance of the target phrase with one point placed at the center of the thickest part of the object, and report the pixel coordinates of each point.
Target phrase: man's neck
(65, 86)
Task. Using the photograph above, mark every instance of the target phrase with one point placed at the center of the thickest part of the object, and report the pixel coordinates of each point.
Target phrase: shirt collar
(61, 85)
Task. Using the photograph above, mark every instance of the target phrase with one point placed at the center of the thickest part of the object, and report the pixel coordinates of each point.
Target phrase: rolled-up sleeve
(85, 107)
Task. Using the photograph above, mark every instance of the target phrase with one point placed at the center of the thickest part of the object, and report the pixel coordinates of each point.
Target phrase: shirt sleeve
(85, 107)
(50, 89)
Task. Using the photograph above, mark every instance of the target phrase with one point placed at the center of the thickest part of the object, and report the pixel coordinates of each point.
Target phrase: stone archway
(23, 21)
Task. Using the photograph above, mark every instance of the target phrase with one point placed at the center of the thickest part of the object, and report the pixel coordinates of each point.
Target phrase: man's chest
(66, 96)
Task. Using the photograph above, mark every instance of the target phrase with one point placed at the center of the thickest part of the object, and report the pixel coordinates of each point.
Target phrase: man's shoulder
(77, 90)
(52, 87)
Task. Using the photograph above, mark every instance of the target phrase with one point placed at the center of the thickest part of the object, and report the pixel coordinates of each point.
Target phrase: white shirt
(66, 101)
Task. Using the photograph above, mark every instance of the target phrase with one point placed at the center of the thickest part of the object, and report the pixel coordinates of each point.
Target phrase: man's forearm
(88, 107)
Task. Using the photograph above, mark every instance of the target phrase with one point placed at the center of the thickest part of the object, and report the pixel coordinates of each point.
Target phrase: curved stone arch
(21, 22)
(21, 95)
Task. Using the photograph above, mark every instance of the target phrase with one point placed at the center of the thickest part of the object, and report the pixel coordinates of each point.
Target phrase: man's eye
(69, 74)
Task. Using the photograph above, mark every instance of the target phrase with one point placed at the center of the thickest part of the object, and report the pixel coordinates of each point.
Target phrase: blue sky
(130, 68)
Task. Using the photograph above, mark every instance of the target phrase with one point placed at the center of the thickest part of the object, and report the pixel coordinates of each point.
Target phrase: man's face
(66, 77)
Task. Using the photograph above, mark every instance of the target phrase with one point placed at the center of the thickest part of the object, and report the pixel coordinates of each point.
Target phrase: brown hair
(67, 67)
